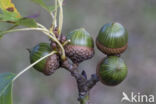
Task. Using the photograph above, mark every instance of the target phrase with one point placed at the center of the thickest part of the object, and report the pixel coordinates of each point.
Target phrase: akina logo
(137, 98)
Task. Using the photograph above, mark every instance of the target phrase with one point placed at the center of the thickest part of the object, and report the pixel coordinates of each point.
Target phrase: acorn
(112, 39)
(49, 64)
(81, 46)
(112, 70)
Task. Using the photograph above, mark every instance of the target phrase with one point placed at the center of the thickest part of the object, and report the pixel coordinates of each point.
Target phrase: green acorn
(112, 39)
(49, 64)
(112, 70)
(81, 46)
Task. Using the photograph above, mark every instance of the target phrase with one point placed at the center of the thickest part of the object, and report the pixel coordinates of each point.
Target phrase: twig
(84, 85)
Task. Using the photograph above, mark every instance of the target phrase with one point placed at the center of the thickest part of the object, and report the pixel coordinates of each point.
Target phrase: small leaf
(9, 11)
(43, 5)
(28, 22)
(6, 88)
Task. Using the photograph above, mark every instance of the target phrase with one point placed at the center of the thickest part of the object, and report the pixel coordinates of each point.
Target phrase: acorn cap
(111, 51)
(52, 64)
(49, 64)
(112, 39)
(112, 70)
(79, 53)
(81, 46)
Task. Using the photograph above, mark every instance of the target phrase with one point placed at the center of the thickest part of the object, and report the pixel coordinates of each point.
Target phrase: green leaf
(28, 22)
(43, 5)
(8, 16)
(6, 88)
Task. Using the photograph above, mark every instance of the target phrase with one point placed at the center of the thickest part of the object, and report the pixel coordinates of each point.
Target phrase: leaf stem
(52, 16)
(27, 68)
(40, 25)
(25, 29)
(54, 23)
(60, 16)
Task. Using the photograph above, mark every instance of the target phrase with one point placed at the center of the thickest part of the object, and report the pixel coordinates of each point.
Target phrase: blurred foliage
(138, 16)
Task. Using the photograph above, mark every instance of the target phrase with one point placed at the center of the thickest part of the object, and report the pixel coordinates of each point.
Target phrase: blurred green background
(138, 16)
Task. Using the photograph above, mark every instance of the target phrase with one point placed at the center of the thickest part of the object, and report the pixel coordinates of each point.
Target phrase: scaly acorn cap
(112, 70)
(112, 39)
(49, 64)
(81, 46)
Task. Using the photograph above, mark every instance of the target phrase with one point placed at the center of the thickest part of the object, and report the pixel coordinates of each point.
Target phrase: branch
(84, 85)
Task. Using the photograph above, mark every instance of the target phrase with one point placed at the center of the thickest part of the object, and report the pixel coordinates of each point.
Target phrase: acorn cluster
(112, 40)
(79, 49)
